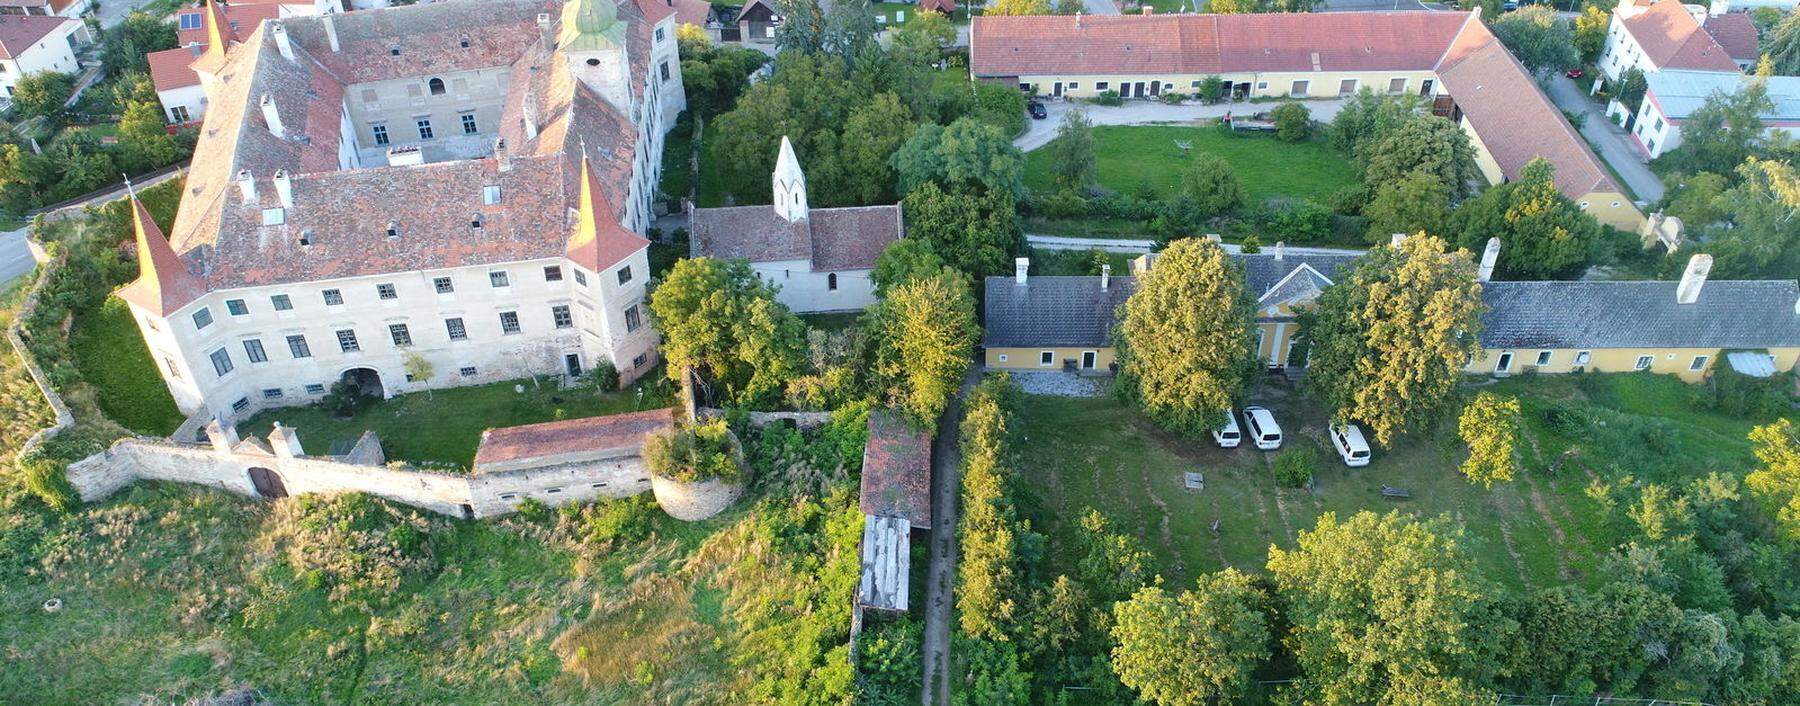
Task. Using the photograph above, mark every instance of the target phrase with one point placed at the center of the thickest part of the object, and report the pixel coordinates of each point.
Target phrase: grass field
(110, 352)
(1542, 529)
(444, 426)
(1129, 155)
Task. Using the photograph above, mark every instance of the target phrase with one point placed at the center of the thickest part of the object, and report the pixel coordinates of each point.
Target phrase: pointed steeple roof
(218, 39)
(164, 283)
(599, 241)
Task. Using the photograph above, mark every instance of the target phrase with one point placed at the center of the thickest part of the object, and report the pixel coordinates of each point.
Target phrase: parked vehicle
(1350, 444)
(1573, 73)
(1036, 110)
(1228, 436)
(1260, 423)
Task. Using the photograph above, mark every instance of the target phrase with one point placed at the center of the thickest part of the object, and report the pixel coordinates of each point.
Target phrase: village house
(177, 84)
(1449, 57)
(1653, 36)
(895, 501)
(72, 9)
(1673, 95)
(821, 258)
(31, 44)
(460, 183)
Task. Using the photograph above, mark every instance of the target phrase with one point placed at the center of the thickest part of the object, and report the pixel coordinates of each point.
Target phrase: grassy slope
(110, 352)
(1539, 530)
(444, 426)
(1269, 168)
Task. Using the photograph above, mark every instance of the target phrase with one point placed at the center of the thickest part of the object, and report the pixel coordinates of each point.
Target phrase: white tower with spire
(790, 185)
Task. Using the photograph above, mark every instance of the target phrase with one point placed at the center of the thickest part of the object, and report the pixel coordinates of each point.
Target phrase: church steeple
(592, 40)
(790, 184)
(599, 242)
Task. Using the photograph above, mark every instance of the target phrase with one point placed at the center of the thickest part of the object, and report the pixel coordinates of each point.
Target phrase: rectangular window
(1397, 85)
(179, 114)
(380, 132)
(498, 279)
(633, 319)
(490, 195)
(664, 69)
(640, 360)
(1657, 126)
(273, 393)
(1698, 364)
(1543, 358)
(443, 285)
(659, 34)
(467, 371)
(221, 360)
(297, 346)
(1582, 357)
(580, 279)
(401, 336)
(281, 302)
(347, 341)
(236, 307)
(455, 327)
(552, 273)
(1346, 87)
(191, 20)
(202, 318)
(1643, 362)
(1300, 89)
(242, 404)
(424, 128)
(386, 291)
(1101, 85)
(315, 389)
(333, 297)
(468, 123)
(624, 274)
(254, 351)
(509, 322)
(1047, 358)
(560, 314)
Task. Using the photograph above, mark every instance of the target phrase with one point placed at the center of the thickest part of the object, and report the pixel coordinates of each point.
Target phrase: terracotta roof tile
(896, 473)
(569, 436)
(19, 32)
(1737, 34)
(240, 21)
(693, 12)
(1673, 39)
(169, 68)
(830, 238)
(164, 283)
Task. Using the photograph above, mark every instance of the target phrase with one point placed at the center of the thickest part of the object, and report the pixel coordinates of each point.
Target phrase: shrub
(1301, 222)
(1213, 185)
(356, 547)
(1212, 88)
(1740, 395)
(607, 523)
(1350, 200)
(1173, 98)
(344, 398)
(1295, 466)
(1251, 245)
(696, 453)
(45, 478)
(1108, 98)
(1293, 122)
(603, 377)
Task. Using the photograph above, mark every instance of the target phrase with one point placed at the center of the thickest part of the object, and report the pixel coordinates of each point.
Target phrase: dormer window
(463, 42)
(436, 86)
(393, 50)
(475, 221)
(393, 230)
(490, 195)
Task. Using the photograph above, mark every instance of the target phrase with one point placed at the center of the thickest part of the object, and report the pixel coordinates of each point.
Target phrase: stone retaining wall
(694, 501)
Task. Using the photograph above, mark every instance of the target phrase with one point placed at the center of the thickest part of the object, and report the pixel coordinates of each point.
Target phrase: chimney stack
(331, 30)
(284, 188)
(1105, 276)
(1141, 264)
(1489, 257)
(1077, 19)
(1693, 279)
(1398, 240)
(282, 43)
(285, 442)
(501, 158)
(271, 116)
(1021, 266)
(529, 119)
(247, 185)
(1280, 250)
(544, 38)
(223, 438)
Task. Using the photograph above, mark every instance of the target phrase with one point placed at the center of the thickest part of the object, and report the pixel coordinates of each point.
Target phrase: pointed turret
(790, 184)
(164, 283)
(599, 242)
(218, 40)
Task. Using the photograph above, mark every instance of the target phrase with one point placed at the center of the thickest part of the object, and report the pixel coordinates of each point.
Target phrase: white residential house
(820, 258)
(1664, 34)
(34, 43)
(1674, 95)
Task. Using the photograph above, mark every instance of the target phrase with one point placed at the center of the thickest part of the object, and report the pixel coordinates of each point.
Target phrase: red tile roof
(1673, 39)
(942, 6)
(599, 241)
(19, 32)
(169, 68)
(693, 12)
(896, 474)
(656, 10)
(830, 238)
(240, 20)
(164, 283)
(569, 436)
(1737, 34)
(1202, 44)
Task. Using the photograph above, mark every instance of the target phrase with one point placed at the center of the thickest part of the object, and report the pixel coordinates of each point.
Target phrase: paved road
(1372, 5)
(1041, 132)
(940, 578)
(1127, 245)
(112, 12)
(15, 258)
(1609, 140)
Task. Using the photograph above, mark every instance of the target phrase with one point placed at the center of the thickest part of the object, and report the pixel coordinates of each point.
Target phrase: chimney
(247, 185)
(1021, 266)
(501, 158)
(285, 442)
(1398, 240)
(284, 188)
(331, 30)
(1489, 257)
(1693, 279)
(282, 43)
(1141, 264)
(1077, 19)
(271, 116)
(223, 438)
(529, 119)
(405, 156)
(1105, 276)
(544, 39)
(1280, 250)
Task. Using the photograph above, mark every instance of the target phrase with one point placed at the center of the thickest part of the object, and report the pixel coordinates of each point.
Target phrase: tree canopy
(718, 319)
(1489, 425)
(1543, 234)
(1072, 155)
(1542, 40)
(967, 154)
(1725, 130)
(1185, 337)
(1421, 143)
(1212, 186)
(1415, 204)
(926, 333)
(1197, 647)
(977, 233)
(1765, 213)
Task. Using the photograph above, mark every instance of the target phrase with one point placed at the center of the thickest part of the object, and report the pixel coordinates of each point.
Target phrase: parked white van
(1349, 442)
(1228, 436)
(1262, 427)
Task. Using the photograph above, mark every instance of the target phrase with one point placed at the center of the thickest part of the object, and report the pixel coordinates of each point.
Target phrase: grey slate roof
(848, 238)
(1729, 313)
(1053, 311)
(1262, 270)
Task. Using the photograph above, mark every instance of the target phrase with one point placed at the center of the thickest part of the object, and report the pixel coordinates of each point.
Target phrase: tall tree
(42, 94)
(1418, 203)
(926, 331)
(966, 154)
(1725, 130)
(144, 144)
(976, 233)
(1388, 609)
(1782, 45)
(902, 261)
(1544, 235)
(1428, 144)
(924, 36)
(720, 320)
(1185, 337)
(874, 131)
(1590, 32)
(988, 593)
(1072, 156)
(1369, 116)
(1776, 481)
(1543, 40)
(1212, 186)
(1389, 342)
(1489, 425)
(1018, 7)
(122, 48)
(1197, 647)
(1765, 210)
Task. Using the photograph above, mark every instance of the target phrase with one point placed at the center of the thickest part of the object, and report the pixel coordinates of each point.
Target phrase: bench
(1388, 491)
(1194, 481)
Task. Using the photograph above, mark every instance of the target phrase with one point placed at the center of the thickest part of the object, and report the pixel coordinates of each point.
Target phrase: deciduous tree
(987, 573)
(1542, 40)
(1776, 480)
(1185, 337)
(902, 261)
(1489, 425)
(1018, 7)
(974, 232)
(967, 154)
(1200, 646)
(1293, 121)
(1072, 156)
(1369, 116)
(42, 93)
(924, 36)
(122, 47)
(1389, 342)
(1212, 186)
(1782, 45)
(1765, 210)
(1725, 130)
(1418, 203)
(1543, 234)
(1590, 32)
(1428, 144)
(874, 131)
(721, 321)
(926, 331)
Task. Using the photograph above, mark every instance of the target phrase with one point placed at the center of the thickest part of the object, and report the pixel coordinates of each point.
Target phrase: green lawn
(1540, 530)
(444, 426)
(111, 355)
(1130, 155)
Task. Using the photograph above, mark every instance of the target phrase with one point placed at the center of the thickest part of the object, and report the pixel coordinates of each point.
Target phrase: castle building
(461, 184)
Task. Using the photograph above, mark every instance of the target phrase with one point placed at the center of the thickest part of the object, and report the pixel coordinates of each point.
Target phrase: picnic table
(1397, 493)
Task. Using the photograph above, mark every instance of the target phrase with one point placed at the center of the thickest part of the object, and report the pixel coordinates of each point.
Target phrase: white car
(1262, 427)
(1349, 442)
(1228, 436)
